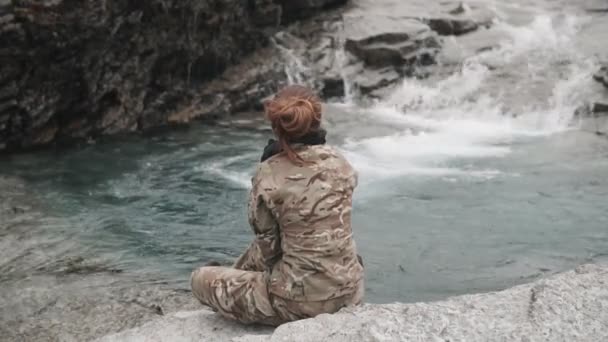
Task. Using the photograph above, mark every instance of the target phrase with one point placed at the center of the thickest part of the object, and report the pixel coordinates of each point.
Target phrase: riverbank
(571, 306)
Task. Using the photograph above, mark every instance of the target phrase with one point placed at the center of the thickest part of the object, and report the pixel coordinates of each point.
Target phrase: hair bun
(294, 112)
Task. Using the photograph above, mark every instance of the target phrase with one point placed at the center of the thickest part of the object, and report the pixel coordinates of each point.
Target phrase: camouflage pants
(243, 296)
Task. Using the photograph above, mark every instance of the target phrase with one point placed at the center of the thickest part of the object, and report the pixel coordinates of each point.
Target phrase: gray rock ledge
(571, 306)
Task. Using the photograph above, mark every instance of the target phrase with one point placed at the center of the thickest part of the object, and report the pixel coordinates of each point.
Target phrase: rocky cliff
(82, 69)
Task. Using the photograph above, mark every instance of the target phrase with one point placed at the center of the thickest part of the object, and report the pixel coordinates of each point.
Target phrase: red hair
(294, 112)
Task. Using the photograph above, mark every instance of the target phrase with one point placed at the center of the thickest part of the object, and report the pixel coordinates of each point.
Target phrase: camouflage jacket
(301, 216)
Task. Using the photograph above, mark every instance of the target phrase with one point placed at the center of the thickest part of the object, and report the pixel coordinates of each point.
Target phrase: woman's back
(303, 260)
(311, 202)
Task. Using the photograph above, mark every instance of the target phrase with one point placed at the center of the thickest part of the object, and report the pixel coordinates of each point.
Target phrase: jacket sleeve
(265, 249)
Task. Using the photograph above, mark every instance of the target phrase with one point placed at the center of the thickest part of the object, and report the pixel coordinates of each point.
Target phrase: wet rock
(390, 42)
(451, 26)
(459, 21)
(567, 307)
(78, 70)
(387, 49)
(370, 81)
(241, 88)
(602, 75)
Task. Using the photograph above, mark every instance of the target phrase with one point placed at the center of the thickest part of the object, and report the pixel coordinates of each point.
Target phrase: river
(472, 180)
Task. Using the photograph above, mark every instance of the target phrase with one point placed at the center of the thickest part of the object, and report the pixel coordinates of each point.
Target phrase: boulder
(452, 26)
(381, 41)
(571, 306)
(460, 20)
(385, 49)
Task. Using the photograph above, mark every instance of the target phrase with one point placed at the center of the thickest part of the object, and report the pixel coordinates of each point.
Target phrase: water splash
(342, 62)
(221, 168)
(295, 68)
(475, 112)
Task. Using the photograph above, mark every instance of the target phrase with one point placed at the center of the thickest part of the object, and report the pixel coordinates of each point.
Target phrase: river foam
(466, 115)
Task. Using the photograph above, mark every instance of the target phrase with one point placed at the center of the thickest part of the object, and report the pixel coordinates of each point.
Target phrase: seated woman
(303, 260)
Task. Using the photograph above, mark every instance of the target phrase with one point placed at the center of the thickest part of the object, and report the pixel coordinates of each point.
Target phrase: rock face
(78, 69)
(572, 306)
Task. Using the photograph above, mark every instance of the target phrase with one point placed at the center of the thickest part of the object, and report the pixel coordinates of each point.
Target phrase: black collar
(310, 139)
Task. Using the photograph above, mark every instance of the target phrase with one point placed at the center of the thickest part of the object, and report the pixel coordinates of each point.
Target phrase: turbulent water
(475, 179)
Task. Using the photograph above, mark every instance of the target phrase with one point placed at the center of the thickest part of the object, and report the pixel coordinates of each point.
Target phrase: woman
(303, 261)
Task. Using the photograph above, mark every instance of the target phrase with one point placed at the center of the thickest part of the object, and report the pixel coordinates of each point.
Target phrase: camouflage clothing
(236, 294)
(303, 261)
(243, 296)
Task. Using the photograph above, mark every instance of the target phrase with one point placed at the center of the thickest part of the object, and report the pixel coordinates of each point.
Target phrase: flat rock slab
(572, 306)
